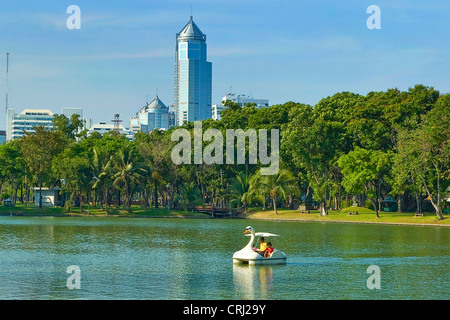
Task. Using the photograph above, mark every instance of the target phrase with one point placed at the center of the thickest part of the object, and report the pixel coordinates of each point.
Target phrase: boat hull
(253, 258)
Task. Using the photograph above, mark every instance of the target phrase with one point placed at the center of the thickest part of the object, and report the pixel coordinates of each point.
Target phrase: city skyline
(293, 50)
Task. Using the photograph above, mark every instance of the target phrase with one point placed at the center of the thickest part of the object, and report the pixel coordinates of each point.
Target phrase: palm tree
(99, 174)
(280, 184)
(156, 176)
(240, 191)
(155, 151)
(126, 172)
(188, 194)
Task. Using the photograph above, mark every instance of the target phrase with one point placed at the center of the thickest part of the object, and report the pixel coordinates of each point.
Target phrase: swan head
(249, 229)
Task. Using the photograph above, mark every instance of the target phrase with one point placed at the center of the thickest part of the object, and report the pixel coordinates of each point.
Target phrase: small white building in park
(50, 196)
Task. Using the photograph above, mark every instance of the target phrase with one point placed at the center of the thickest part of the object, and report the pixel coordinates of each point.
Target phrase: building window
(182, 49)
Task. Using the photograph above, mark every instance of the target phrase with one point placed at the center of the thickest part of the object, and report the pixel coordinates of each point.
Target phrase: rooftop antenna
(7, 80)
(116, 122)
(7, 89)
(191, 11)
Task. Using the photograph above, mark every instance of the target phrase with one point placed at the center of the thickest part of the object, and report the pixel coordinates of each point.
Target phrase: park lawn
(364, 216)
(136, 211)
(30, 209)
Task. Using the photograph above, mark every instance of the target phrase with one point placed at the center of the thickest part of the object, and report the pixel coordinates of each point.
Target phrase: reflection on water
(253, 282)
(192, 259)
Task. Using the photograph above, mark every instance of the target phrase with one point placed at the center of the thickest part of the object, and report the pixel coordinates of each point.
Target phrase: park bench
(304, 211)
(418, 214)
(352, 213)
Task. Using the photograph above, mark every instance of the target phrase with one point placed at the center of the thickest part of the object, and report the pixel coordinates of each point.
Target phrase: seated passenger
(262, 246)
(268, 251)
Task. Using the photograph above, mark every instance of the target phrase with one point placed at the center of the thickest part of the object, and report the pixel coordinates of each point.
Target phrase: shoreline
(208, 217)
(357, 222)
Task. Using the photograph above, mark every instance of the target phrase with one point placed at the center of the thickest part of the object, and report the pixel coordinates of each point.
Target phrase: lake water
(159, 258)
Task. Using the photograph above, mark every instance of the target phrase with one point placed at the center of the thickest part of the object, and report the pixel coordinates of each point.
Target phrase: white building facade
(242, 99)
(154, 115)
(103, 127)
(17, 124)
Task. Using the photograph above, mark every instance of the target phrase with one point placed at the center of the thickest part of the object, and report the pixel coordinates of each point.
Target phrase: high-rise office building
(2, 136)
(193, 76)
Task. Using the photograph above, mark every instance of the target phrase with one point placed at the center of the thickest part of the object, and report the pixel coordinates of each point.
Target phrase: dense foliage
(392, 144)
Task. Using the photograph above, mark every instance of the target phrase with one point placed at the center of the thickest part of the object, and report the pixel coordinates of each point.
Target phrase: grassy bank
(136, 211)
(364, 216)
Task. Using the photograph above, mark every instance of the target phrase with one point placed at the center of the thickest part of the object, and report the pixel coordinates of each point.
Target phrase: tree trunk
(418, 203)
(400, 202)
(274, 205)
(129, 203)
(374, 204)
(323, 208)
(105, 200)
(308, 191)
(40, 195)
(212, 205)
(156, 194)
(436, 205)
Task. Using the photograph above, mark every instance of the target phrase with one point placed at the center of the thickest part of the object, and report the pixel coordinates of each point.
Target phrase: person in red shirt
(268, 251)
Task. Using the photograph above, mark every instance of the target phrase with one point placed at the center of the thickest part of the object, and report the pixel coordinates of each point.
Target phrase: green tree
(313, 140)
(38, 149)
(155, 150)
(279, 185)
(101, 176)
(75, 172)
(126, 170)
(188, 195)
(12, 166)
(424, 153)
(67, 126)
(362, 170)
(239, 191)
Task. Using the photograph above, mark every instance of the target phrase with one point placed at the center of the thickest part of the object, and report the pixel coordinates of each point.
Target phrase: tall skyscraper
(193, 76)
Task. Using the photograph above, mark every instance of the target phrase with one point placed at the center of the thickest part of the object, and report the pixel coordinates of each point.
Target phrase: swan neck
(252, 239)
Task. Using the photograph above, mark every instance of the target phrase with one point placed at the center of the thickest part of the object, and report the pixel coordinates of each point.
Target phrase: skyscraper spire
(191, 32)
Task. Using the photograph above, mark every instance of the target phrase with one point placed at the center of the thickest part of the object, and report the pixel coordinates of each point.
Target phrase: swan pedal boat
(249, 256)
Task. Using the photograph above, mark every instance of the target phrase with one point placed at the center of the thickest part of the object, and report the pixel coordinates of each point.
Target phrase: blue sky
(282, 50)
